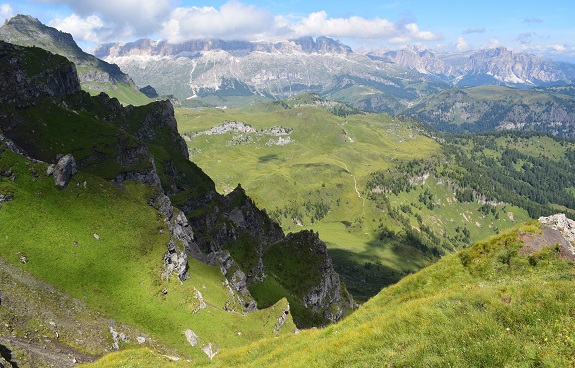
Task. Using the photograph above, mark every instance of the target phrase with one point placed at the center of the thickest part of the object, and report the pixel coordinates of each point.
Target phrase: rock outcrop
(249, 248)
(22, 87)
(566, 227)
(63, 171)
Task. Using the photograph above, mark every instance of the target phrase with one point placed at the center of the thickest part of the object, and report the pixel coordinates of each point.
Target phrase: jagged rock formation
(249, 248)
(142, 143)
(491, 66)
(146, 47)
(21, 89)
(149, 91)
(239, 68)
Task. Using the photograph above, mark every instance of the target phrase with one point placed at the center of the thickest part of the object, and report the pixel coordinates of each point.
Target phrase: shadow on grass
(268, 158)
(363, 276)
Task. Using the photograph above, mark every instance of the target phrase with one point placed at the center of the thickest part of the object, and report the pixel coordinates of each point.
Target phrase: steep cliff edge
(45, 115)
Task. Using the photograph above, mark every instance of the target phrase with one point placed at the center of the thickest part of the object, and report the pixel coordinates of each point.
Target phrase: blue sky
(543, 28)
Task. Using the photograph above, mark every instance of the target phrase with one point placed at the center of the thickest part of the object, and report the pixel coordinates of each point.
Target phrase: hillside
(387, 195)
(101, 208)
(487, 108)
(499, 303)
(95, 75)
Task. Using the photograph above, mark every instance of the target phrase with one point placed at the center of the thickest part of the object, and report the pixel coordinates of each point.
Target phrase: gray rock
(5, 198)
(191, 337)
(64, 170)
(210, 350)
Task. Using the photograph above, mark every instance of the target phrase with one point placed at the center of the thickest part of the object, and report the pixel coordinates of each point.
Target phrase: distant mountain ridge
(490, 66)
(222, 72)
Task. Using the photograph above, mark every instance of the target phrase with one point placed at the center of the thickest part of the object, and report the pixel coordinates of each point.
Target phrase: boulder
(65, 168)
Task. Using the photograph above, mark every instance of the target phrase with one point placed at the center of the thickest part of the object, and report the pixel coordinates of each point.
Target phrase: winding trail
(354, 184)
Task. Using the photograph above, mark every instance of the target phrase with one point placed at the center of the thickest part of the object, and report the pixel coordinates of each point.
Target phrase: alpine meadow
(285, 184)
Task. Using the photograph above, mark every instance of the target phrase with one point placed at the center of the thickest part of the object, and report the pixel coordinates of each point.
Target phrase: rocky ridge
(489, 66)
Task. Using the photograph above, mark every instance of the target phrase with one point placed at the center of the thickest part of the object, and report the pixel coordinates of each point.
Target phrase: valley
(288, 203)
(421, 195)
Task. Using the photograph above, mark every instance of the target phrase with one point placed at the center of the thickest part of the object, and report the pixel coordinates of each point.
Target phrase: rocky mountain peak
(322, 45)
(25, 30)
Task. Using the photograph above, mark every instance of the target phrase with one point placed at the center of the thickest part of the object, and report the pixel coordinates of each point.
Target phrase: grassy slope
(488, 305)
(119, 274)
(321, 153)
(125, 93)
(329, 158)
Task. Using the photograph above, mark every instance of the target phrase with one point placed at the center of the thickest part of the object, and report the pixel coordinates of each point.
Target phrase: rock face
(239, 68)
(28, 31)
(21, 88)
(249, 248)
(298, 257)
(146, 47)
(276, 70)
(566, 227)
(65, 168)
(489, 66)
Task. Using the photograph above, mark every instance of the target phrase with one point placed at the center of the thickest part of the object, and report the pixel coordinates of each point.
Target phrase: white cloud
(461, 45)
(494, 43)
(6, 12)
(318, 24)
(123, 18)
(233, 20)
(557, 48)
(89, 29)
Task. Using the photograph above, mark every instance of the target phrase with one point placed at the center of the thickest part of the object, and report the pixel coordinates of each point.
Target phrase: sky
(544, 28)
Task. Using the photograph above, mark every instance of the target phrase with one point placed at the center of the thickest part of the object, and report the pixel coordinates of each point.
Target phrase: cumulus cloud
(494, 43)
(235, 20)
(232, 20)
(6, 12)
(88, 29)
(102, 21)
(318, 23)
(132, 18)
(473, 30)
(558, 48)
(461, 44)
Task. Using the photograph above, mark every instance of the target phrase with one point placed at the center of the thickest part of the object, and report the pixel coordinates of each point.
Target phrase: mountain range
(202, 68)
(113, 240)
